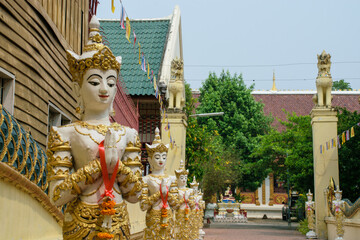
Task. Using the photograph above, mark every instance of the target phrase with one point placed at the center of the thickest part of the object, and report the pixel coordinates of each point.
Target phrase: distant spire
(274, 87)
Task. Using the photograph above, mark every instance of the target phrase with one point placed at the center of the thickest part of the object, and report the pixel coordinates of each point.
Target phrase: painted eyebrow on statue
(111, 76)
(97, 75)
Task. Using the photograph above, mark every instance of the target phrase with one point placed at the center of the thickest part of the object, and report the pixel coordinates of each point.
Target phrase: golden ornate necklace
(159, 176)
(101, 129)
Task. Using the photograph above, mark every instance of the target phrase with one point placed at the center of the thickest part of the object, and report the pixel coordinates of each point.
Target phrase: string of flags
(339, 140)
(144, 65)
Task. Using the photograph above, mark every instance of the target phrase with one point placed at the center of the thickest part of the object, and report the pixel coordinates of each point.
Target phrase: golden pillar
(271, 200)
(257, 198)
(263, 195)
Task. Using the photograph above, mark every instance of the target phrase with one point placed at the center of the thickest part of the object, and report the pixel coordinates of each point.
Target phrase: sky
(258, 37)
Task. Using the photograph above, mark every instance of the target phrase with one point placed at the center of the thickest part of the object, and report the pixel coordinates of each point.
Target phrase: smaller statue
(195, 213)
(159, 193)
(310, 207)
(201, 216)
(323, 81)
(228, 196)
(339, 208)
(182, 228)
(228, 192)
(176, 85)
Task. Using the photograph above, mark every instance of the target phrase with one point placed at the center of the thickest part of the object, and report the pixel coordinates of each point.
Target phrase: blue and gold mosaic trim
(21, 152)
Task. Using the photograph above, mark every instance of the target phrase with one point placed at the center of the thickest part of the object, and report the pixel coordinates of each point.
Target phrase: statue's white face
(158, 160)
(338, 196)
(309, 198)
(98, 89)
(182, 180)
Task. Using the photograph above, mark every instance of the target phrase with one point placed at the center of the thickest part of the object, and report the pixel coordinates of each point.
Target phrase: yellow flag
(155, 82)
(148, 72)
(352, 132)
(343, 137)
(112, 6)
(128, 29)
(139, 53)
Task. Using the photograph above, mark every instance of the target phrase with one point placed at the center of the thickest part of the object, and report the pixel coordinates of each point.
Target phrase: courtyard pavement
(255, 229)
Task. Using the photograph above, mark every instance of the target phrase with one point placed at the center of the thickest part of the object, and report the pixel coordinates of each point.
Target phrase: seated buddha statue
(159, 193)
(228, 196)
(93, 164)
(182, 214)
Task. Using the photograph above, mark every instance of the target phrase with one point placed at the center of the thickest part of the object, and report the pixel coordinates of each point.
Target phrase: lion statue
(323, 81)
(176, 85)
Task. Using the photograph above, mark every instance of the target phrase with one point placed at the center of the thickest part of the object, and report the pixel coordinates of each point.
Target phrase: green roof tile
(152, 35)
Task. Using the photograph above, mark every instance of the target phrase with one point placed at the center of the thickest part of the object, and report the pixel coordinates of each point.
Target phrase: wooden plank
(50, 8)
(45, 35)
(45, 58)
(77, 24)
(63, 16)
(37, 129)
(30, 20)
(45, 5)
(72, 25)
(68, 7)
(34, 75)
(59, 6)
(86, 22)
(29, 108)
(54, 12)
(25, 89)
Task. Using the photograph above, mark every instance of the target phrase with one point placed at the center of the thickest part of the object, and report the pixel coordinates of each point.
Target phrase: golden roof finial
(274, 86)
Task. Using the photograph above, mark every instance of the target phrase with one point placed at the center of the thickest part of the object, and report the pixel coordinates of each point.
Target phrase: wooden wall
(34, 37)
(68, 15)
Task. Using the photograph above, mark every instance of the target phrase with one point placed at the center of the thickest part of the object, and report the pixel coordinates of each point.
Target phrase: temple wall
(34, 37)
(25, 218)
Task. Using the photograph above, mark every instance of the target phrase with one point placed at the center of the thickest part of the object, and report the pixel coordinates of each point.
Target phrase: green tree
(240, 126)
(349, 155)
(341, 85)
(289, 154)
(204, 153)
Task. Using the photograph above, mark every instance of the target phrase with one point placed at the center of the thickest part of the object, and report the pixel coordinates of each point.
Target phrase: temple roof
(152, 35)
(301, 102)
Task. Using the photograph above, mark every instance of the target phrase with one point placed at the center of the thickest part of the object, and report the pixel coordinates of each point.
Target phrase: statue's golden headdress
(309, 194)
(338, 190)
(95, 55)
(157, 145)
(181, 170)
(194, 183)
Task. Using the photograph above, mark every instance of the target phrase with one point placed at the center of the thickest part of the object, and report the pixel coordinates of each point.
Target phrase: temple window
(56, 117)
(7, 85)
(150, 118)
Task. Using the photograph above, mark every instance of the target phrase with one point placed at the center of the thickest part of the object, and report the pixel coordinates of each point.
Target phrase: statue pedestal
(326, 164)
(178, 124)
(230, 212)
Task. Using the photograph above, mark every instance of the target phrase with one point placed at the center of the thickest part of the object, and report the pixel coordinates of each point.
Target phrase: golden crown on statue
(157, 145)
(95, 55)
